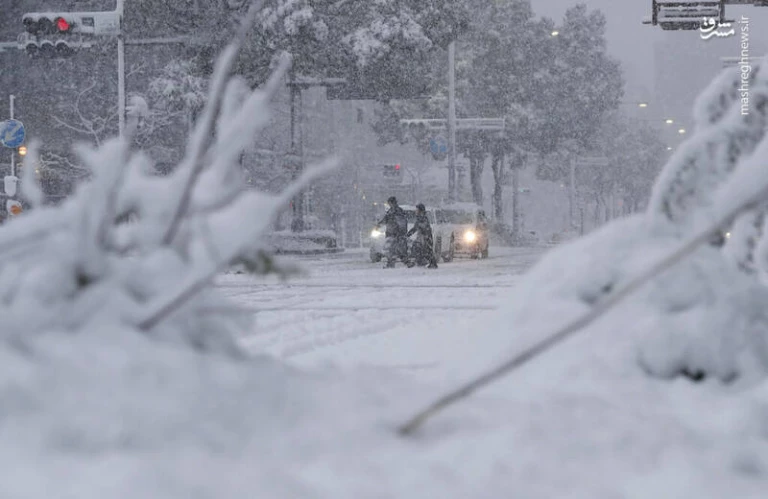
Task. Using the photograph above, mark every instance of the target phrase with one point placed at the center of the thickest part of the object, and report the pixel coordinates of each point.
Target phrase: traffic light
(392, 170)
(416, 128)
(48, 24)
(50, 34)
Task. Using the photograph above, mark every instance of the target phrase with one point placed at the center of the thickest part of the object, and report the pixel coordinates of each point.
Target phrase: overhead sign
(12, 133)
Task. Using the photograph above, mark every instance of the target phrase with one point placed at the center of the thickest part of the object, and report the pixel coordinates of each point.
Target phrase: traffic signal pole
(13, 153)
(572, 192)
(452, 121)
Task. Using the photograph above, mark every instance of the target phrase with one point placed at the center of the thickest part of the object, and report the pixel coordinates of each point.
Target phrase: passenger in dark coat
(423, 247)
(396, 223)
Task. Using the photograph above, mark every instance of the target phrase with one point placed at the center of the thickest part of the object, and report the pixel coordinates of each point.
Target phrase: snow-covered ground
(582, 421)
(116, 414)
(347, 311)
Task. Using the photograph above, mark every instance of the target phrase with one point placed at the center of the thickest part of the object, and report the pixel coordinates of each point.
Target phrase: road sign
(13, 207)
(10, 183)
(12, 133)
(438, 145)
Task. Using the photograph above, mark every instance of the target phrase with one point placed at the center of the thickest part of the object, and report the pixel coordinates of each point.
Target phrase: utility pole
(120, 71)
(452, 121)
(297, 222)
(572, 191)
(13, 152)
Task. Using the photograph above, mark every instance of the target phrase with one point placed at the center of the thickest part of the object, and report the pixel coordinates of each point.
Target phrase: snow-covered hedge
(707, 315)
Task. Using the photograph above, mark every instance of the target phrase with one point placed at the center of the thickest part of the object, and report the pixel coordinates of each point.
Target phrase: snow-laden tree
(177, 92)
(382, 43)
(584, 84)
(635, 154)
(510, 66)
(80, 267)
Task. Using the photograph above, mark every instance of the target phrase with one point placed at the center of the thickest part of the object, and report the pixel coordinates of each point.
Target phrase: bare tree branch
(202, 138)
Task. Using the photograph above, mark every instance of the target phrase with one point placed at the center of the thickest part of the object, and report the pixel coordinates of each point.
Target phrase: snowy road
(349, 311)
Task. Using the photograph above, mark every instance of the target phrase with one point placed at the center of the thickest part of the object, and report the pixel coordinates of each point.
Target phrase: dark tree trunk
(476, 165)
(497, 164)
(596, 216)
(516, 218)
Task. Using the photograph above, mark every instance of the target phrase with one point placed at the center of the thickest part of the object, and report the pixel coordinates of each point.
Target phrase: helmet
(421, 207)
(392, 200)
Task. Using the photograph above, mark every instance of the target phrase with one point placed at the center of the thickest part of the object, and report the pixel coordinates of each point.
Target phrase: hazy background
(666, 68)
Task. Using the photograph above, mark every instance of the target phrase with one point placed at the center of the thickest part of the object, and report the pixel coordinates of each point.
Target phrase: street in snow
(348, 311)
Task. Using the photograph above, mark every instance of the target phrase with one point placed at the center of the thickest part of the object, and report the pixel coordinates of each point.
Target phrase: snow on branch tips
(137, 251)
(691, 263)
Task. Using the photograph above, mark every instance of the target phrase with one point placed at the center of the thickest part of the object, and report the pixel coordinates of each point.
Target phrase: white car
(458, 233)
(378, 240)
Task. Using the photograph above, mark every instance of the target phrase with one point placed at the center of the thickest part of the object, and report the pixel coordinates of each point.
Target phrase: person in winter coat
(396, 230)
(423, 247)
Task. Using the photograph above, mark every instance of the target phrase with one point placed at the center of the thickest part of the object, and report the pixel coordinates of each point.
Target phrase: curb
(322, 251)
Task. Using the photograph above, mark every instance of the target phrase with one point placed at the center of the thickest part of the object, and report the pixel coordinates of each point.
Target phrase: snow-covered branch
(81, 266)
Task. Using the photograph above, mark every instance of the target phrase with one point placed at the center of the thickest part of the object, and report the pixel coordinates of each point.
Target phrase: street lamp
(639, 103)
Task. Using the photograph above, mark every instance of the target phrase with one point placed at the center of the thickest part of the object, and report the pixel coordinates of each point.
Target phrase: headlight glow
(470, 236)
(727, 235)
(376, 233)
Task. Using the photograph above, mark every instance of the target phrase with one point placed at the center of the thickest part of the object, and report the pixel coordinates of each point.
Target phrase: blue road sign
(438, 145)
(12, 133)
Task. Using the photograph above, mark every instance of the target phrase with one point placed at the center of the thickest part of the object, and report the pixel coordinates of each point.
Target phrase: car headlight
(376, 233)
(470, 236)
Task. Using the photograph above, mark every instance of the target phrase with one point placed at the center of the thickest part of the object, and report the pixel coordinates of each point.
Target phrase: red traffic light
(62, 25)
(392, 170)
(47, 24)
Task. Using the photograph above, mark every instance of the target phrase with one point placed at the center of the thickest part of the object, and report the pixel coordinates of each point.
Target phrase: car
(378, 240)
(461, 229)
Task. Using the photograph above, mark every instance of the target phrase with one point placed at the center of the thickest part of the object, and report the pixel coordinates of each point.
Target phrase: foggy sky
(633, 42)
